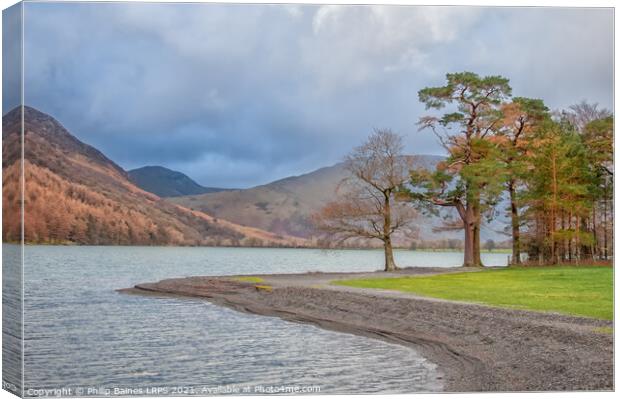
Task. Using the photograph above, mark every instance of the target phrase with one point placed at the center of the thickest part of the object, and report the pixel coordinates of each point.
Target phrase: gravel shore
(477, 347)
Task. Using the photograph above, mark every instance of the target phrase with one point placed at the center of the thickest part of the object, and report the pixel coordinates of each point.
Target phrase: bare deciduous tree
(366, 206)
(583, 113)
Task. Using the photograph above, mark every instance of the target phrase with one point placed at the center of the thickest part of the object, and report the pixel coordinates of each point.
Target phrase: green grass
(249, 279)
(583, 291)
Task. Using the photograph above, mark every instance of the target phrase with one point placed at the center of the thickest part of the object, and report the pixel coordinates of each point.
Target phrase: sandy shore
(477, 348)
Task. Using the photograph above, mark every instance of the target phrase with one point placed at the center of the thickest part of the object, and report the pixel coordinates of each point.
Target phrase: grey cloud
(11, 60)
(237, 95)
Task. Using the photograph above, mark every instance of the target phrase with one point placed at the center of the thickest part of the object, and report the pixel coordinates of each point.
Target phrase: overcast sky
(240, 95)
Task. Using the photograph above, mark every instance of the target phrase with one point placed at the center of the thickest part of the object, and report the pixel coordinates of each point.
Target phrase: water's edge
(79, 332)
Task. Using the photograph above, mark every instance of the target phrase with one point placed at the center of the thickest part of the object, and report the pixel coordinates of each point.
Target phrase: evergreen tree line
(555, 169)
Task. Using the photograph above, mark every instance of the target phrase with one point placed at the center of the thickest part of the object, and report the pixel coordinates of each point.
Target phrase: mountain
(167, 183)
(74, 193)
(283, 206)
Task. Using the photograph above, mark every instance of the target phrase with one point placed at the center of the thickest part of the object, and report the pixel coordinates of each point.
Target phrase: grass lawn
(583, 291)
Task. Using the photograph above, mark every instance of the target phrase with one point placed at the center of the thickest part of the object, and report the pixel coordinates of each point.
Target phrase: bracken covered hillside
(74, 193)
(284, 206)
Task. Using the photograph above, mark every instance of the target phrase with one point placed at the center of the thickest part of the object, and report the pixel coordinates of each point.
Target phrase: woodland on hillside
(74, 194)
(60, 212)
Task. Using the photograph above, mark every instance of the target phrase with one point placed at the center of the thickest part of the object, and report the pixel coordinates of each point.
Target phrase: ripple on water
(80, 333)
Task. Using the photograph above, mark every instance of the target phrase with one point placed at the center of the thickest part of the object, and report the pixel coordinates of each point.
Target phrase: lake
(81, 334)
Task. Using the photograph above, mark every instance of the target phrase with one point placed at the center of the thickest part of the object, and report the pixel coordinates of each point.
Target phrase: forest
(554, 169)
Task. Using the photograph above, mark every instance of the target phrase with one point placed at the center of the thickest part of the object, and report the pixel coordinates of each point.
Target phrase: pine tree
(520, 119)
(598, 139)
(558, 183)
(470, 179)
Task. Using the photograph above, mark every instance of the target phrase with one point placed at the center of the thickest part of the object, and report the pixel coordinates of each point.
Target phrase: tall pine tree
(468, 180)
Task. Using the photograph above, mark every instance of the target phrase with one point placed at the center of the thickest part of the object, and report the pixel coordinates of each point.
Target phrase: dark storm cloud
(237, 95)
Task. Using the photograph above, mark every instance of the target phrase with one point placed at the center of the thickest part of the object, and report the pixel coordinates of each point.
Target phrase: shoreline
(379, 249)
(475, 347)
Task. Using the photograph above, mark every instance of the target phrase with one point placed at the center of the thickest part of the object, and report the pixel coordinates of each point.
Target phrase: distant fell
(284, 206)
(165, 182)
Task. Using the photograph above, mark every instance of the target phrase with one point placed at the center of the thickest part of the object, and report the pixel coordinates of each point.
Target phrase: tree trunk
(552, 222)
(469, 224)
(564, 243)
(468, 260)
(514, 215)
(595, 250)
(577, 241)
(477, 257)
(476, 233)
(570, 239)
(390, 265)
(605, 252)
(571, 250)
(586, 248)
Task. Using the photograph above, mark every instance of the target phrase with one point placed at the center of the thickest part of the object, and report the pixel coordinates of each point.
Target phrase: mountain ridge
(166, 182)
(75, 194)
(284, 206)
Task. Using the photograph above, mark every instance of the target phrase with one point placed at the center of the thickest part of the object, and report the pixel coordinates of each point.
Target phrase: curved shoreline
(476, 347)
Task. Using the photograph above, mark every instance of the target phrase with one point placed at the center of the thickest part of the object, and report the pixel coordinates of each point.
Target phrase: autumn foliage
(74, 194)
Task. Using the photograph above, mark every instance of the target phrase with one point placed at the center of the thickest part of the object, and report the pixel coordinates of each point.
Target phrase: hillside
(74, 193)
(283, 206)
(167, 183)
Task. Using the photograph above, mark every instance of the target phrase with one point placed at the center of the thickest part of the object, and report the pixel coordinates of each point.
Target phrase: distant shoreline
(477, 348)
(73, 244)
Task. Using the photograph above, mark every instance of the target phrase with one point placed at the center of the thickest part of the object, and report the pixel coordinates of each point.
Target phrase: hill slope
(74, 193)
(283, 206)
(167, 183)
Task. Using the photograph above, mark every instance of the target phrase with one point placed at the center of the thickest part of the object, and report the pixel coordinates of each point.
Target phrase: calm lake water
(81, 334)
